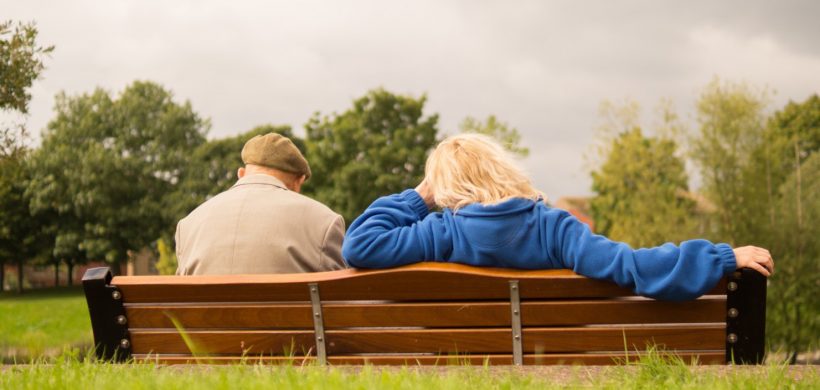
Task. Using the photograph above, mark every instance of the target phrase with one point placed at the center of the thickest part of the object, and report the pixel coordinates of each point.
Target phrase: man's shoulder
(266, 198)
(272, 198)
(215, 201)
(315, 207)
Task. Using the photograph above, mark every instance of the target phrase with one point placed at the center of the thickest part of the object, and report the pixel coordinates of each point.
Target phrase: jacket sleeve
(331, 250)
(666, 272)
(396, 230)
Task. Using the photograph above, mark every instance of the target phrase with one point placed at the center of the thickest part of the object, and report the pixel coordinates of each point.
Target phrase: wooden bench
(427, 313)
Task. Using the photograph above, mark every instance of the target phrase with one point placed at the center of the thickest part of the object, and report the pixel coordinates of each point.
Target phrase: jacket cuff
(727, 258)
(416, 202)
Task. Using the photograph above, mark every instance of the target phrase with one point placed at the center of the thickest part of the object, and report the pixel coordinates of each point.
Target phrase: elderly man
(262, 224)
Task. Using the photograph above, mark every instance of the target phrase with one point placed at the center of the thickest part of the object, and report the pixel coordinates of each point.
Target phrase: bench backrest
(428, 313)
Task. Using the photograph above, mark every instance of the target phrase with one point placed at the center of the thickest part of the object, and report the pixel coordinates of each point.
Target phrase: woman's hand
(758, 259)
(427, 194)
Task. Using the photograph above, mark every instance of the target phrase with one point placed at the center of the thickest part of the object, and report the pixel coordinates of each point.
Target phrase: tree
(21, 62)
(377, 147)
(21, 235)
(731, 129)
(106, 165)
(641, 192)
(794, 319)
(501, 131)
(763, 181)
(788, 163)
(796, 127)
(640, 181)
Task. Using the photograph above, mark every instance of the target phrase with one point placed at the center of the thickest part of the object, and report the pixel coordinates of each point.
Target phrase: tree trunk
(20, 276)
(769, 190)
(70, 265)
(799, 202)
(2, 275)
(57, 273)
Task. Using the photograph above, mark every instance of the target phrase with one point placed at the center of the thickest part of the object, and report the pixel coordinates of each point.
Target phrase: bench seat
(426, 313)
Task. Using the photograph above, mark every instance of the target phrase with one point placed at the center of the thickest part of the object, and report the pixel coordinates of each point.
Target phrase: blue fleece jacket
(520, 233)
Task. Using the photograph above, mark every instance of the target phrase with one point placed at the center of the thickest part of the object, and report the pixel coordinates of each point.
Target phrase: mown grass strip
(654, 371)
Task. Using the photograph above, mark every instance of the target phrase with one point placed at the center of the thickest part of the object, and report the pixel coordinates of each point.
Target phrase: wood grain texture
(419, 282)
(461, 314)
(493, 340)
(704, 357)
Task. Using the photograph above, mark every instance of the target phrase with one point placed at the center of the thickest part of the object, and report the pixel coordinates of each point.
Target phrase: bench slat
(341, 342)
(461, 314)
(702, 357)
(418, 282)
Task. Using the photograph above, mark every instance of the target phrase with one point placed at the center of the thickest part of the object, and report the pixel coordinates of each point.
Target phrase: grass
(42, 322)
(652, 372)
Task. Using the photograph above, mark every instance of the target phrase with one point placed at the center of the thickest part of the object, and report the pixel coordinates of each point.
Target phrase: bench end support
(746, 317)
(108, 320)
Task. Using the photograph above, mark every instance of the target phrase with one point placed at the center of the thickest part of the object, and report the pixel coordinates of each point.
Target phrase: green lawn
(651, 373)
(42, 322)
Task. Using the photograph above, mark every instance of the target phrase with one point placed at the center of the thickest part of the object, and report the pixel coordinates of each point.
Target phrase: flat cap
(275, 151)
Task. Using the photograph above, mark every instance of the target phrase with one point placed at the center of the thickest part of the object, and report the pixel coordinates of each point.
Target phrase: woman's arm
(395, 230)
(666, 272)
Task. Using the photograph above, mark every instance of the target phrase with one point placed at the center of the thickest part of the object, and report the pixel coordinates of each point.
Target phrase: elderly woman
(492, 216)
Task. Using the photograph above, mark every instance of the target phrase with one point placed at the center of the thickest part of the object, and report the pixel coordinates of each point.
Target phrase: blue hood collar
(507, 207)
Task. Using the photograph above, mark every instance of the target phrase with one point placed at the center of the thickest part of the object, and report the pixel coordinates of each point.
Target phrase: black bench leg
(746, 317)
(108, 320)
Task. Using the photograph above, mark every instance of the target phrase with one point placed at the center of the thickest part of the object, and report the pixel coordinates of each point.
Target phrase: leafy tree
(791, 136)
(501, 131)
(377, 147)
(12, 211)
(106, 165)
(21, 62)
(640, 192)
(763, 181)
(731, 129)
(21, 235)
(794, 311)
(786, 165)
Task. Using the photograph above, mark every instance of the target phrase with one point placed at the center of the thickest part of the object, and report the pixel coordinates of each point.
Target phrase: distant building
(143, 262)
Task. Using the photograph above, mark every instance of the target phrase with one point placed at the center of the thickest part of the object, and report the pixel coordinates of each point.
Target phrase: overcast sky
(541, 66)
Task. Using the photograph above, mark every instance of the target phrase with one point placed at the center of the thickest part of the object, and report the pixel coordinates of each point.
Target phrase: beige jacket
(258, 226)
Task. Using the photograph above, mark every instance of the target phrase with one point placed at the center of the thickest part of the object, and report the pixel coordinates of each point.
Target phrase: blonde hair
(473, 168)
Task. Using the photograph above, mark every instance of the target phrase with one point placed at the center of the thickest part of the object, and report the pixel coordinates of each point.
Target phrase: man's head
(275, 155)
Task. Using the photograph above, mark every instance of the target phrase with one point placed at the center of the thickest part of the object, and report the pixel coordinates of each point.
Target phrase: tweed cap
(276, 151)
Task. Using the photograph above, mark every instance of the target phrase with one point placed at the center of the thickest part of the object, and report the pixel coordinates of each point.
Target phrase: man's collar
(261, 178)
